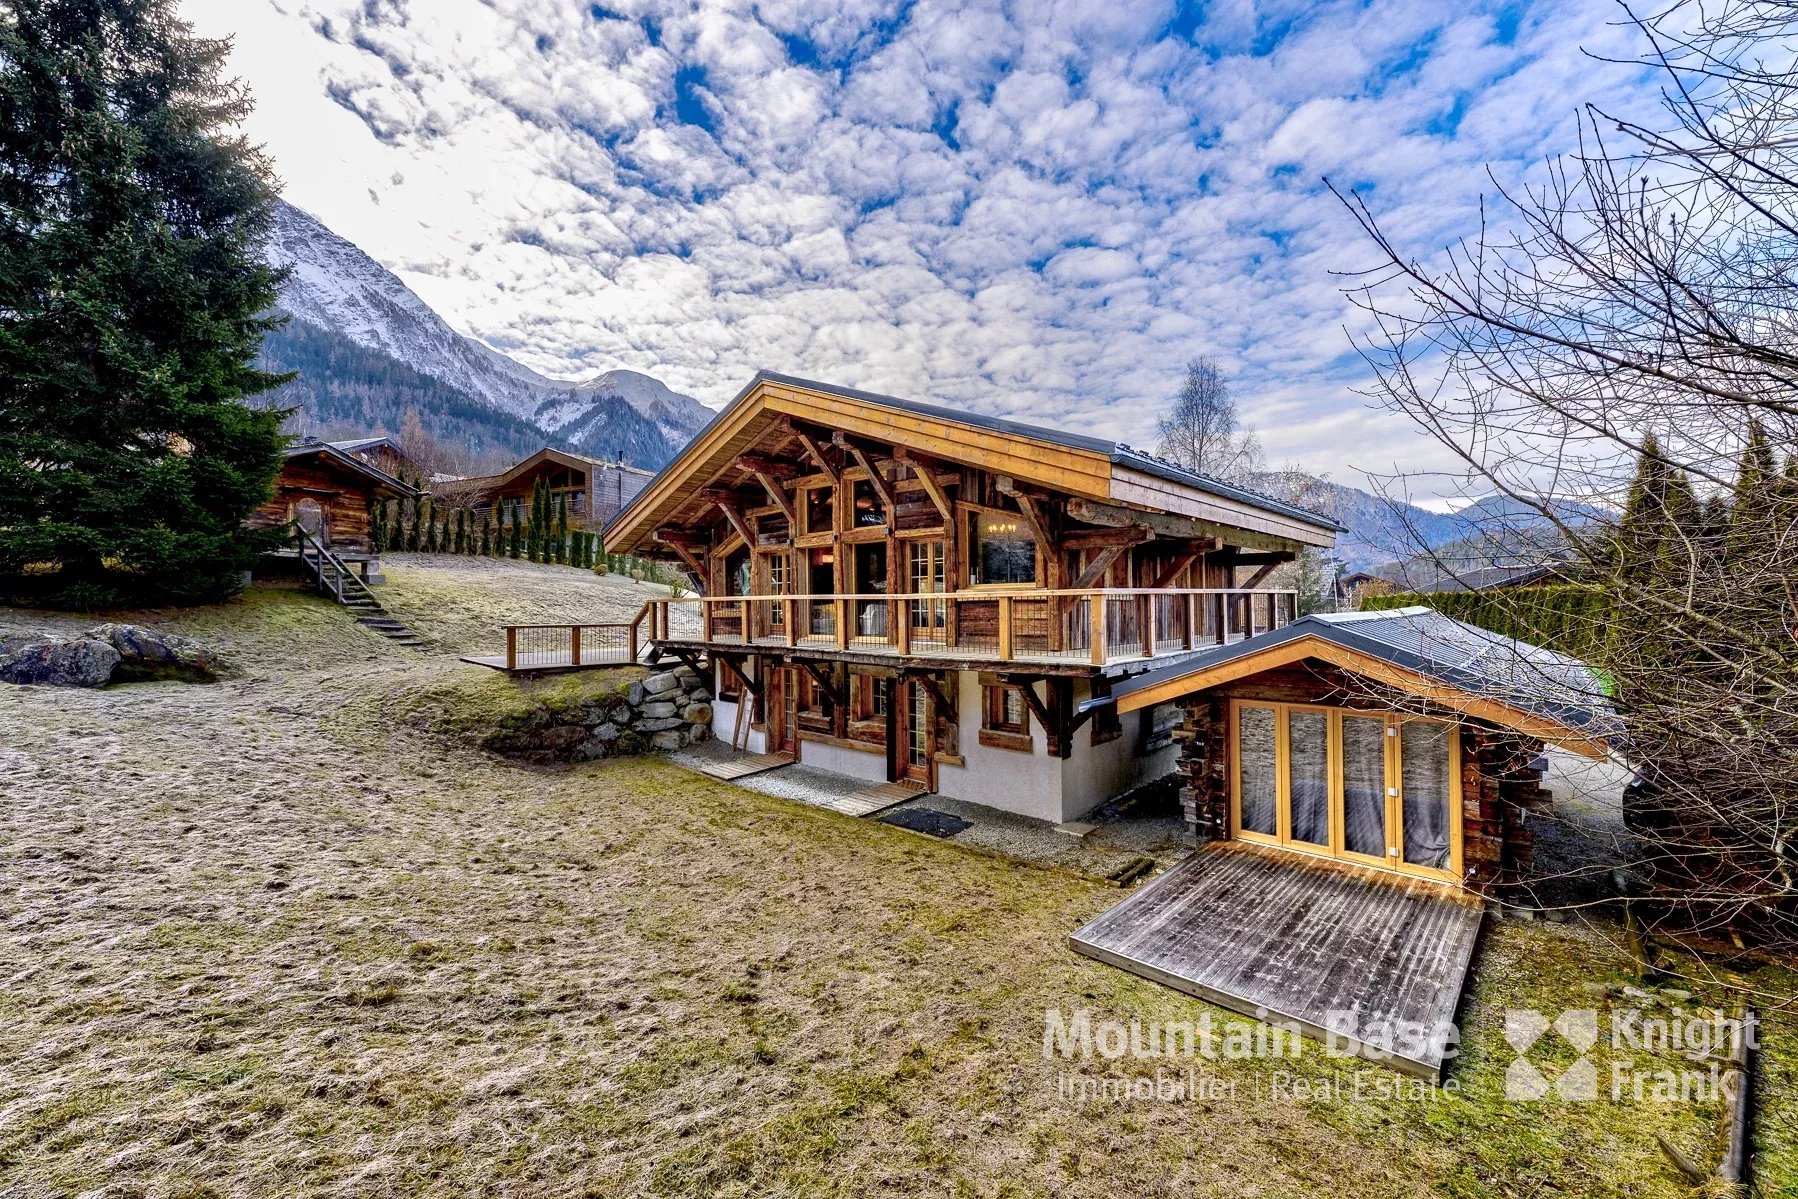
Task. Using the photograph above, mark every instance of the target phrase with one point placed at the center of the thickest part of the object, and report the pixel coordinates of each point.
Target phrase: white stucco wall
(1095, 773)
(1028, 784)
(871, 767)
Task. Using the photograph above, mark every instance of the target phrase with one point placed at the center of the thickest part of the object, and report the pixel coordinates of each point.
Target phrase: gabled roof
(549, 454)
(349, 461)
(357, 445)
(1456, 665)
(1074, 462)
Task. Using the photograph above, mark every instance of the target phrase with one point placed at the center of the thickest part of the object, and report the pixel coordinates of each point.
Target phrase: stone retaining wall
(664, 711)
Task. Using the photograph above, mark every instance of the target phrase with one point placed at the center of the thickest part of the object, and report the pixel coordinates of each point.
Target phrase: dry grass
(263, 937)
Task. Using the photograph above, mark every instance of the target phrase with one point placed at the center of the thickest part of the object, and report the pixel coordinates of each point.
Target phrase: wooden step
(738, 768)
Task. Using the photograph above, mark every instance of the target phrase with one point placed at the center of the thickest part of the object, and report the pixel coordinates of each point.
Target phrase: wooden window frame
(995, 730)
(1282, 836)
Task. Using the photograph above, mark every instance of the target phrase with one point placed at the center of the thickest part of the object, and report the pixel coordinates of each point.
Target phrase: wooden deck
(1307, 943)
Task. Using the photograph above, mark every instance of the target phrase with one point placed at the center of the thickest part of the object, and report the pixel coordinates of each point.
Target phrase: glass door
(1369, 788)
(924, 570)
(1364, 799)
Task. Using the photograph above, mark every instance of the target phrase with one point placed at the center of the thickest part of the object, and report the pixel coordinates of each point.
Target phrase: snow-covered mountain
(336, 287)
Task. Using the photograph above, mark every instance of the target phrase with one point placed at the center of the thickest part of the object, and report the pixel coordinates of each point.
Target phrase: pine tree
(134, 294)
(561, 528)
(1639, 532)
(1752, 517)
(513, 548)
(486, 532)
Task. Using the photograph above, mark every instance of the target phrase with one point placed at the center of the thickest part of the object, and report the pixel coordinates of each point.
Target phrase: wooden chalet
(327, 492)
(1037, 621)
(595, 489)
(903, 592)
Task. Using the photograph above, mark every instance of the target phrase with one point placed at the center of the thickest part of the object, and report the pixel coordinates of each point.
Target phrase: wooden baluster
(842, 615)
(1095, 616)
(574, 645)
(1005, 628)
(511, 647)
(1145, 608)
(1190, 609)
(790, 615)
(902, 631)
(1223, 617)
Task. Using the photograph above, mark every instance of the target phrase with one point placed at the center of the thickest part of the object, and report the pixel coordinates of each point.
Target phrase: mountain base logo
(1705, 1042)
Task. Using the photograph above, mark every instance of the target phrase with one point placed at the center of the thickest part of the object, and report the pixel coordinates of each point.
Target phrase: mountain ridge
(340, 292)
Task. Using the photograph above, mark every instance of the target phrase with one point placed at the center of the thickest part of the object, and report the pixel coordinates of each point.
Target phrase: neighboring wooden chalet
(902, 592)
(595, 489)
(384, 453)
(327, 492)
(1497, 578)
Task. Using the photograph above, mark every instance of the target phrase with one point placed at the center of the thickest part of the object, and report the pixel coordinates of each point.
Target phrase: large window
(1001, 549)
(868, 508)
(1372, 788)
(820, 509)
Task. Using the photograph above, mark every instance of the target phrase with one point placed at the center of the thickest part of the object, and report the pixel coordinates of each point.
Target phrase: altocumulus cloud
(1032, 209)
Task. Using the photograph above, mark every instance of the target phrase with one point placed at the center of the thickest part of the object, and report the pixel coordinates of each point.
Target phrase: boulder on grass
(46, 661)
(148, 654)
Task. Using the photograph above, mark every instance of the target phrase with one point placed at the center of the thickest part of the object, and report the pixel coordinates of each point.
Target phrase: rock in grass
(43, 660)
(149, 654)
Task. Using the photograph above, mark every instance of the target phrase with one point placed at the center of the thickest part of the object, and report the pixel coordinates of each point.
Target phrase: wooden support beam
(1164, 524)
(750, 685)
(726, 503)
(815, 452)
(1255, 579)
(865, 458)
(764, 464)
(1099, 539)
(925, 469)
(683, 550)
(1271, 558)
(943, 702)
(1035, 515)
(777, 495)
(1026, 686)
(1181, 561)
(838, 697)
(1095, 570)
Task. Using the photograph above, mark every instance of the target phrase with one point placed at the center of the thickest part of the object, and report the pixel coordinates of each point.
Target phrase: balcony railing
(1097, 627)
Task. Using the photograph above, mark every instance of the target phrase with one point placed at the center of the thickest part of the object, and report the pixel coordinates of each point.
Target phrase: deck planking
(746, 765)
(1278, 936)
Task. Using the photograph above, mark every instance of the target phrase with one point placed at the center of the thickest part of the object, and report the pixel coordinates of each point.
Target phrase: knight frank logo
(1525, 1028)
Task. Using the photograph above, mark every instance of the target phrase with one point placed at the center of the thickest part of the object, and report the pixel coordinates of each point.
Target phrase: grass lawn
(278, 935)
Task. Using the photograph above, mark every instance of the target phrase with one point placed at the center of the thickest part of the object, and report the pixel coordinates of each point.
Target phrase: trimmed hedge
(1565, 617)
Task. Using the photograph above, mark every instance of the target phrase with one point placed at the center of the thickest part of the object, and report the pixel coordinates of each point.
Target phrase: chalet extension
(903, 592)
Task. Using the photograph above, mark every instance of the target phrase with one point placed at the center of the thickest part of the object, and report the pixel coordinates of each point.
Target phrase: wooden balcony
(1063, 628)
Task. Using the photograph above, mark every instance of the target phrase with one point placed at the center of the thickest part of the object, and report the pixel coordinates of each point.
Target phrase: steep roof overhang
(1216, 670)
(1079, 466)
(374, 475)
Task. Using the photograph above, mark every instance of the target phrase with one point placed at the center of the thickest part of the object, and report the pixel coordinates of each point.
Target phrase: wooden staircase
(337, 581)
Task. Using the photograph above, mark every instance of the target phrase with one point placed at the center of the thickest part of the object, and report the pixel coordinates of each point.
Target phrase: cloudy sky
(1037, 210)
